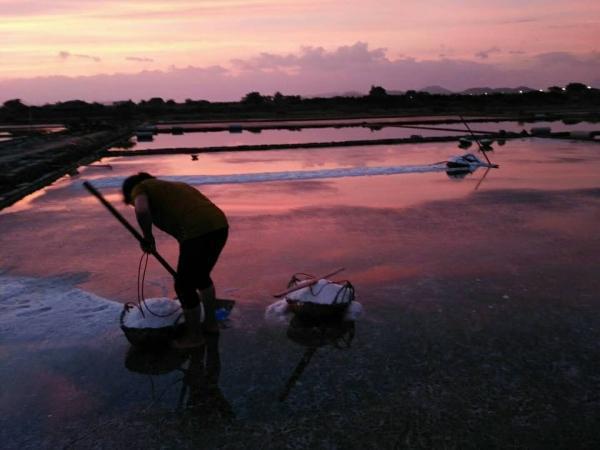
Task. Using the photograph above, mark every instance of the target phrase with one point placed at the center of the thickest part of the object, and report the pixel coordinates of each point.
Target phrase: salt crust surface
(161, 306)
(284, 176)
(50, 310)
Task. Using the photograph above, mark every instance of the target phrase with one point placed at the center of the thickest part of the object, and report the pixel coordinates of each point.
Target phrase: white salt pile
(50, 311)
(158, 313)
(354, 311)
(280, 312)
(323, 292)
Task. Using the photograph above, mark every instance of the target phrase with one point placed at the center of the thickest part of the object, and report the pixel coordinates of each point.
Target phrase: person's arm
(144, 218)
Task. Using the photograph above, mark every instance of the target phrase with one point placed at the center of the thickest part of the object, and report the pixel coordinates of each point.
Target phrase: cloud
(139, 59)
(557, 58)
(316, 58)
(66, 55)
(484, 54)
(309, 71)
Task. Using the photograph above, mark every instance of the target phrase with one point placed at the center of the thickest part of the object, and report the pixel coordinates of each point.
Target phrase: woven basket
(150, 337)
(318, 311)
(310, 310)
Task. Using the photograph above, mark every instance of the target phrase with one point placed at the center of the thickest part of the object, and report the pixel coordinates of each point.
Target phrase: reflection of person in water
(201, 377)
(200, 395)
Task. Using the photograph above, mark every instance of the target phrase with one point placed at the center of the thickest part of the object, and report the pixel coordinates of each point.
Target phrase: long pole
(307, 283)
(127, 225)
(478, 143)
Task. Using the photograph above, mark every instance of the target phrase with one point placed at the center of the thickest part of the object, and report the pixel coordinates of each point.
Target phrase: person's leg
(190, 302)
(209, 301)
(212, 246)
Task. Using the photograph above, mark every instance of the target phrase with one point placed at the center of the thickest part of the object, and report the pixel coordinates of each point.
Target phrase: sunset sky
(105, 50)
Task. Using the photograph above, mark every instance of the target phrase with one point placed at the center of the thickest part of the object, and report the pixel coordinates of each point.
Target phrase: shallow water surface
(340, 134)
(480, 297)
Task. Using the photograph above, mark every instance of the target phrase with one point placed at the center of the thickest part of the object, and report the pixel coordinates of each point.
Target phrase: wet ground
(481, 325)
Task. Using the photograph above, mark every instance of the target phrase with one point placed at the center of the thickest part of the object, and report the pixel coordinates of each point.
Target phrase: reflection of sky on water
(528, 163)
(278, 136)
(79, 235)
(421, 241)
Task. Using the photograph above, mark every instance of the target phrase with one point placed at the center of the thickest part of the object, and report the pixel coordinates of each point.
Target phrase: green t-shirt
(180, 209)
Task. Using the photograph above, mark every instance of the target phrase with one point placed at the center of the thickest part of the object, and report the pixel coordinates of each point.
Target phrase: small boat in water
(486, 144)
(466, 161)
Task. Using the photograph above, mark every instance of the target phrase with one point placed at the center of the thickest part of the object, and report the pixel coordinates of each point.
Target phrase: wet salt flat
(480, 324)
(332, 134)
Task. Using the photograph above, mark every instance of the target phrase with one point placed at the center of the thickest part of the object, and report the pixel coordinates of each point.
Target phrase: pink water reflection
(385, 229)
(331, 134)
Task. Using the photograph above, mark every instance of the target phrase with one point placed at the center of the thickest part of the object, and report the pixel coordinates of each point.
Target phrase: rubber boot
(193, 332)
(209, 301)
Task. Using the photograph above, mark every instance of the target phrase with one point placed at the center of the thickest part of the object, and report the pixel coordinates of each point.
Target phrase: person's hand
(148, 245)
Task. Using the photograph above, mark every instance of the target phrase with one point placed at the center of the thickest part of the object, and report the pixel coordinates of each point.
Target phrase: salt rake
(127, 225)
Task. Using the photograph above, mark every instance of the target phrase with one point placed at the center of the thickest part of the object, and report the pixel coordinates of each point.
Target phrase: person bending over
(201, 229)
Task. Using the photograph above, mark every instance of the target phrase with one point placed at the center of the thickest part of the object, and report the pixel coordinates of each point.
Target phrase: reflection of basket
(317, 333)
(152, 362)
(314, 310)
(150, 337)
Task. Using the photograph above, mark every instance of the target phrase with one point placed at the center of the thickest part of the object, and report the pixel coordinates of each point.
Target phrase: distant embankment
(29, 164)
(301, 145)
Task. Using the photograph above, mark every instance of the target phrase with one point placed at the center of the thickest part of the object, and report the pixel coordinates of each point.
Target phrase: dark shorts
(197, 257)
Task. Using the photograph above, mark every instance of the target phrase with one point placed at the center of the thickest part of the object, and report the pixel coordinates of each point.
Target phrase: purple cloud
(139, 59)
(310, 71)
(66, 55)
(484, 54)
(316, 58)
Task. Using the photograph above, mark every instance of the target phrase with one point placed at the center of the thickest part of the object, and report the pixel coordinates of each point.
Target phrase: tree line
(78, 113)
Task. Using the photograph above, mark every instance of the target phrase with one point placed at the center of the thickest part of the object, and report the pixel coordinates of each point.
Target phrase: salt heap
(324, 292)
(157, 313)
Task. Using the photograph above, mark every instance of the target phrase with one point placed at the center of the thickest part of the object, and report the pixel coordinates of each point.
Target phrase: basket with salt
(160, 323)
(322, 299)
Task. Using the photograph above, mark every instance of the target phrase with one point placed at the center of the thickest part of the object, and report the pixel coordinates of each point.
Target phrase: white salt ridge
(48, 311)
(323, 292)
(167, 307)
(108, 182)
(280, 312)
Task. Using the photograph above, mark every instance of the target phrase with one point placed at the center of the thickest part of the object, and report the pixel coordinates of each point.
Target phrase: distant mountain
(338, 94)
(436, 90)
(439, 90)
(501, 90)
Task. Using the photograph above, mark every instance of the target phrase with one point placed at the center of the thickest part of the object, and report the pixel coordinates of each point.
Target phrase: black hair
(131, 182)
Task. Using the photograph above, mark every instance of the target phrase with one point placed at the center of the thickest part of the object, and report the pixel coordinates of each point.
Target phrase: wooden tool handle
(127, 225)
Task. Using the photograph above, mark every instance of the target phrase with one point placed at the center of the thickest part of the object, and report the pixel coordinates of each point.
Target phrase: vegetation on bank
(80, 114)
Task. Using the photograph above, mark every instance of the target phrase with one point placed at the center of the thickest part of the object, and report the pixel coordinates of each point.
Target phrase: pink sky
(221, 49)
